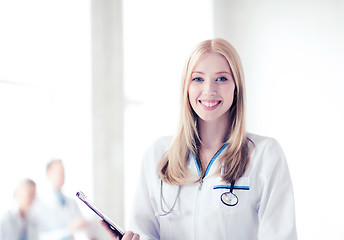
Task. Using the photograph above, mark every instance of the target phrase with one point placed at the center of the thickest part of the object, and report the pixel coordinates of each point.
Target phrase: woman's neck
(212, 135)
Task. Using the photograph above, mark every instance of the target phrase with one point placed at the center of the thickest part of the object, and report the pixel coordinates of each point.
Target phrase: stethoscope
(229, 198)
(162, 199)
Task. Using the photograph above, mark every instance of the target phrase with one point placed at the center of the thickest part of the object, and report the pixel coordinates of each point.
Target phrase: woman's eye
(197, 79)
(221, 79)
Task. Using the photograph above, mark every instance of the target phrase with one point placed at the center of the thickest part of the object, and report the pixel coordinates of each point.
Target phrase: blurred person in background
(18, 223)
(59, 216)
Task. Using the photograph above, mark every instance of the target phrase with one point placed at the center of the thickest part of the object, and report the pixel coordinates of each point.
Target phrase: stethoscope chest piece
(229, 199)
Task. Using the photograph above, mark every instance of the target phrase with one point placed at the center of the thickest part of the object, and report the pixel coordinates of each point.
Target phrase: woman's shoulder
(158, 147)
(261, 142)
(154, 153)
(265, 151)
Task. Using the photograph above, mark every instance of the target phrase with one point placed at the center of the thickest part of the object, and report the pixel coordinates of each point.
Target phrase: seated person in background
(17, 223)
(59, 217)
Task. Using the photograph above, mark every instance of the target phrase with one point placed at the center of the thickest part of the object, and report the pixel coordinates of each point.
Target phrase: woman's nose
(209, 87)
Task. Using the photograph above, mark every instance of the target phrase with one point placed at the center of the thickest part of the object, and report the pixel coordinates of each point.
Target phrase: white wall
(108, 108)
(293, 55)
(45, 98)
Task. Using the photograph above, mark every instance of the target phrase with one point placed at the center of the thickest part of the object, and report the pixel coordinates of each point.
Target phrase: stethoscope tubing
(162, 199)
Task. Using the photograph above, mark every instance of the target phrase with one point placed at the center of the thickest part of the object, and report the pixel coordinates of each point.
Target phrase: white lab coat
(264, 212)
(12, 224)
(53, 218)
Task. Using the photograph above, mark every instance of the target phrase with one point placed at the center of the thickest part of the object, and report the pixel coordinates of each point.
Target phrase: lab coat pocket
(231, 202)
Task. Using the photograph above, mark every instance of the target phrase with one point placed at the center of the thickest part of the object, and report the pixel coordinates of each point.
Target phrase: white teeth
(209, 104)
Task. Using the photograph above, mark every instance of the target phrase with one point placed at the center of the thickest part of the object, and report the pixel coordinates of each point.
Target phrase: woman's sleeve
(276, 210)
(143, 220)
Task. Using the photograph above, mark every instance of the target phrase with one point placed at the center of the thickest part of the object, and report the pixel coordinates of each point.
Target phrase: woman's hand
(130, 236)
(127, 235)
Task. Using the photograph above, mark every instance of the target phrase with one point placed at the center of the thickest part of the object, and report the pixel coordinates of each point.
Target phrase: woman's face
(211, 90)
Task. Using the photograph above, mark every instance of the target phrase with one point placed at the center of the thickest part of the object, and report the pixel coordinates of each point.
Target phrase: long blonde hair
(173, 167)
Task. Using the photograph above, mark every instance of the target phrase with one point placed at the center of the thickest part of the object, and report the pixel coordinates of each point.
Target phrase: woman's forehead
(212, 61)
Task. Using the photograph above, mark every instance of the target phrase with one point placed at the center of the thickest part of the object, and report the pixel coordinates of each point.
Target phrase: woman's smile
(209, 104)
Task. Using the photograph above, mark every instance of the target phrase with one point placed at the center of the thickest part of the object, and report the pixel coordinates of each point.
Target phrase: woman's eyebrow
(198, 72)
(224, 72)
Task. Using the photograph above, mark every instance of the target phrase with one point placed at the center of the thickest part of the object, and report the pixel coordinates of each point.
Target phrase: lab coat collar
(212, 166)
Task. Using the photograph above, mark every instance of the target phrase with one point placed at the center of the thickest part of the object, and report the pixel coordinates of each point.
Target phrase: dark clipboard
(112, 226)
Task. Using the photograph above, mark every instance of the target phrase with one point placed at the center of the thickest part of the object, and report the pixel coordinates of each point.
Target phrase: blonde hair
(173, 167)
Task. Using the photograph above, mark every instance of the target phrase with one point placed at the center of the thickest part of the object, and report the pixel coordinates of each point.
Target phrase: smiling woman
(214, 179)
(211, 91)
